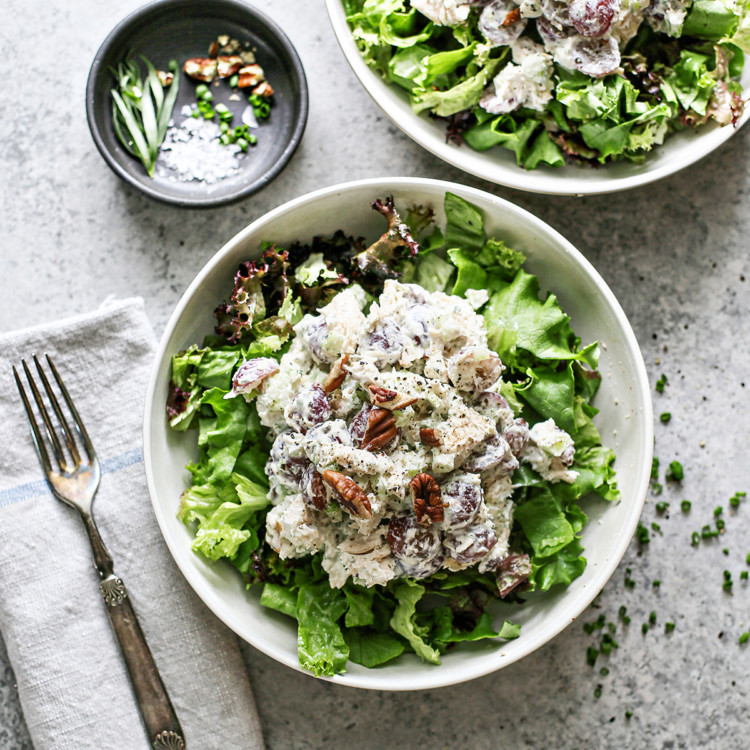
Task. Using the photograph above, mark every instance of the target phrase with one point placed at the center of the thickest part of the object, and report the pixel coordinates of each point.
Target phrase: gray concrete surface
(676, 255)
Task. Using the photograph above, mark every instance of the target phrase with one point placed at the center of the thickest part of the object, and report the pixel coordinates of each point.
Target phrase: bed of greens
(549, 374)
(560, 81)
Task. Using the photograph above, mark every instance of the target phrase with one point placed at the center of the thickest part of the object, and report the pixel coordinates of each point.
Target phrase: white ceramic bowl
(498, 165)
(625, 422)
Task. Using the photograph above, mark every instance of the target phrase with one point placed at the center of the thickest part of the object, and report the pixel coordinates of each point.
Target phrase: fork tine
(51, 434)
(69, 439)
(76, 417)
(41, 449)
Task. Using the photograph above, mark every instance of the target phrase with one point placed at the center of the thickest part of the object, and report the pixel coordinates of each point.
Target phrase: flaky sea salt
(191, 152)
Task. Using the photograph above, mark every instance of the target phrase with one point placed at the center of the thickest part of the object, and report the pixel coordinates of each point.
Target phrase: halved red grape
(463, 495)
(417, 548)
(470, 545)
(593, 18)
(309, 406)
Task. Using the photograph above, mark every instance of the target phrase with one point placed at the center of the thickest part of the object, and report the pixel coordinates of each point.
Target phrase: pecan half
(336, 375)
(431, 436)
(388, 399)
(381, 429)
(428, 502)
(349, 494)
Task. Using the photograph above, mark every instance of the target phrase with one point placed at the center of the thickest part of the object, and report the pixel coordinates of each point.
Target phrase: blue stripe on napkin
(40, 487)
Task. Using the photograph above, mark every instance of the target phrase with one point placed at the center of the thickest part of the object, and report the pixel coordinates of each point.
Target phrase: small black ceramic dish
(183, 29)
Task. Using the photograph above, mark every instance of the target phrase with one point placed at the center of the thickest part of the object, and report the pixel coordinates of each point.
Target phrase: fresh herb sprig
(141, 109)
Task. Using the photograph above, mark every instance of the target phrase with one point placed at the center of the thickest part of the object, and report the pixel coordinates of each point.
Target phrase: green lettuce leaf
(222, 435)
(320, 642)
(543, 329)
(370, 648)
(403, 621)
(544, 523)
(711, 19)
(359, 601)
(279, 598)
(433, 273)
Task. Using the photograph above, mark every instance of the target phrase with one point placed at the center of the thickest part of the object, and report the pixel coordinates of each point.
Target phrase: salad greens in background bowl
(551, 96)
(410, 626)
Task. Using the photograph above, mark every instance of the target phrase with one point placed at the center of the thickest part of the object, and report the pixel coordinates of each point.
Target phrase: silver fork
(75, 482)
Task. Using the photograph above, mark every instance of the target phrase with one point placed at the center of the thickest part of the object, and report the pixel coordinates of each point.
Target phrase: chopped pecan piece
(200, 68)
(249, 76)
(387, 399)
(428, 502)
(512, 17)
(349, 494)
(228, 65)
(431, 436)
(381, 429)
(264, 89)
(165, 77)
(336, 375)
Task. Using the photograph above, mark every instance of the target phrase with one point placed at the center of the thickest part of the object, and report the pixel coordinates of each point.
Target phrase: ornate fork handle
(159, 716)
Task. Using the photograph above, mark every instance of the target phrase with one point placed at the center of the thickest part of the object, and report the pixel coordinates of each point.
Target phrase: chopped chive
(720, 524)
(641, 534)
(726, 550)
(603, 671)
(591, 655)
(662, 506)
(654, 468)
(675, 471)
(695, 538)
(656, 488)
(598, 692)
(652, 618)
(656, 584)
(644, 628)
(665, 416)
(685, 506)
(718, 510)
(655, 526)
(743, 575)
(628, 714)
(744, 638)
(660, 383)
(668, 627)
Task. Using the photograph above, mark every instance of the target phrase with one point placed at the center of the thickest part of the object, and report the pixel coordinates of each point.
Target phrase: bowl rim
(296, 71)
(540, 180)
(433, 679)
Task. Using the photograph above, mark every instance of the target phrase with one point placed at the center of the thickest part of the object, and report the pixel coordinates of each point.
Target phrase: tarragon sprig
(141, 110)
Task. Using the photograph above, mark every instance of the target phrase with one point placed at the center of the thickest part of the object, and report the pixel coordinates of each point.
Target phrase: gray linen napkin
(72, 681)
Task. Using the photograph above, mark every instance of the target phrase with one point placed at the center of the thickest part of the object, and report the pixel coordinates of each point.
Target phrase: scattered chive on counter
(665, 416)
(661, 383)
(675, 472)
